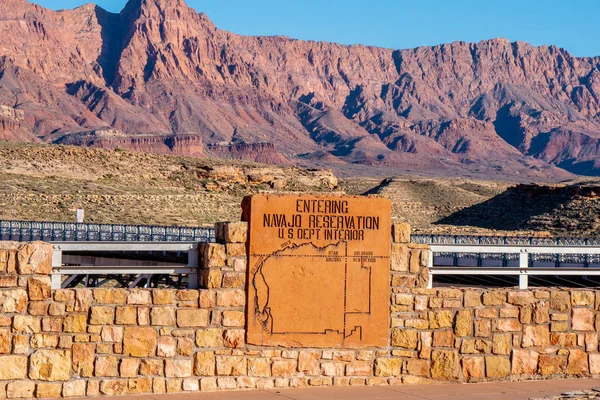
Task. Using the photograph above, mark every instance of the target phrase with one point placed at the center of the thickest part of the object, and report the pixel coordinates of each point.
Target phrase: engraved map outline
(262, 310)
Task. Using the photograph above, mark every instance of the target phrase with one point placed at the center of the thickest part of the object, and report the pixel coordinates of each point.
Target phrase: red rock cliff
(159, 68)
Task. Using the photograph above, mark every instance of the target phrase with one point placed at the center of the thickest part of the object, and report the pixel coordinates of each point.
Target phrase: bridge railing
(25, 231)
(136, 273)
(522, 260)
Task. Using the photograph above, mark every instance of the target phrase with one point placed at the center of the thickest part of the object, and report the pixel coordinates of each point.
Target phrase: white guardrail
(524, 266)
(190, 269)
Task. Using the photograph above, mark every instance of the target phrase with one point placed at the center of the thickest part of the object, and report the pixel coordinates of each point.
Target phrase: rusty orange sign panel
(318, 273)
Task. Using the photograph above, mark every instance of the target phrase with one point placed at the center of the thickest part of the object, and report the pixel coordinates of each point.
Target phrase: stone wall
(95, 342)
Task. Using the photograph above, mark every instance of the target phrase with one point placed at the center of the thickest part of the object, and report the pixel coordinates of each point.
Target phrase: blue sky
(399, 24)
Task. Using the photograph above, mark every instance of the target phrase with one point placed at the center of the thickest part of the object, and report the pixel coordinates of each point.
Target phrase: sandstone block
(231, 298)
(83, 300)
(208, 384)
(110, 296)
(472, 298)
(425, 345)
(204, 363)
(26, 324)
(35, 259)
(75, 323)
(37, 308)
(535, 335)
(524, 362)
(167, 346)
(441, 319)
(41, 340)
(163, 296)
(401, 232)
(212, 337)
(582, 319)
(502, 344)
(541, 313)
(193, 385)
(582, 298)
(494, 298)
(445, 365)
(48, 390)
(185, 346)
(192, 318)
(233, 319)
(83, 359)
(107, 366)
(50, 365)
(404, 338)
(139, 297)
(20, 344)
(139, 342)
(101, 315)
(491, 313)
(129, 367)
(443, 338)
(238, 264)
(13, 300)
(74, 388)
(520, 298)
(8, 281)
(552, 365)
(359, 369)
(474, 346)
(497, 367)
(38, 288)
(212, 279)
(178, 368)
(114, 387)
(151, 367)
(388, 366)
(483, 328)
(234, 280)
(308, 362)
(472, 368)
(234, 338)
(208, 299)
(591, 342)
(112, 334)
(5, 341)
(507, 325)
(126, 315)
(399, 257)
(20, 389)
(139, 385)
(463, 326)
(13, 367)
(235, 250)
(93, 388)
(285, 368)
(416, 367)
(213, 255)
(163, 316)
(233, 232)
(560, 301)
(231, 366)
(594, 359)
(577, 362)
(259, 367)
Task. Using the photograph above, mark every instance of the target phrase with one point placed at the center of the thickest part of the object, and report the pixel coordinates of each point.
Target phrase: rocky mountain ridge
(162, 78)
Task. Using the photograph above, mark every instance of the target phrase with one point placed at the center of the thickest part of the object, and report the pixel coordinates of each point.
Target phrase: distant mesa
(168, 81)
